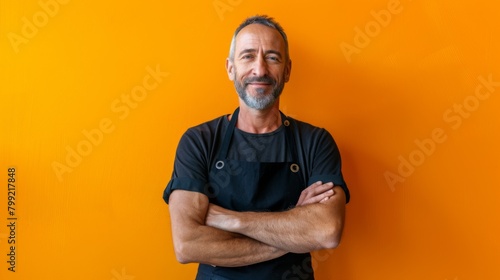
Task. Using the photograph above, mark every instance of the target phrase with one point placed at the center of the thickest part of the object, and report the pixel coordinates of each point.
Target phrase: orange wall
(96, 94)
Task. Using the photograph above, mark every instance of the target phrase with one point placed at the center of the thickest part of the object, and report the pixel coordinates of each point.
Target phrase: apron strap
(292, 148)
(290, 138)
(229, 133)
(290, 142)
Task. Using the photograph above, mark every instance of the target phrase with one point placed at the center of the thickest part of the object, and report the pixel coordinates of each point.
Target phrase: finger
(305, 193)
(320, 197)
(315, 193)
(319, 189)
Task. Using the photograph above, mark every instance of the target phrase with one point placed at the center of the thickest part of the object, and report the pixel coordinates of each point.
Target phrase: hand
(316, 192)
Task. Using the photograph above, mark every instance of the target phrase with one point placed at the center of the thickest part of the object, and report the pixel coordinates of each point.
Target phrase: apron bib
(256, 186)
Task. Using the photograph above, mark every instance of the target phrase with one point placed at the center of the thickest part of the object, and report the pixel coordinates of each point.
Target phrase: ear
(288, 70)
(230, 69)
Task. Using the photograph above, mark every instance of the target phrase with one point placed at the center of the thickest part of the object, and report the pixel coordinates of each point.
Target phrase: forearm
(299, 230)
(194, 241)
(221, 248)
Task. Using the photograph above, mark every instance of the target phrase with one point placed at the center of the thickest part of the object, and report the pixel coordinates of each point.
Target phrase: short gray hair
(264, 20)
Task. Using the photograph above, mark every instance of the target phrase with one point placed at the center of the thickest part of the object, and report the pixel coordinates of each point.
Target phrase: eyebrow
(254, 50)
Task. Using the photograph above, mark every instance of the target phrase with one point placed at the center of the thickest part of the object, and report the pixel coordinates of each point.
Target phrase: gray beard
(261, 101)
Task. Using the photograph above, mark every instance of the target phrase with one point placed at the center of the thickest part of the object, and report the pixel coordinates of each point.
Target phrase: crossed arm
(206, 233)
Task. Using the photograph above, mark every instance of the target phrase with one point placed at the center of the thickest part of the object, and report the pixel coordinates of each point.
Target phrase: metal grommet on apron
(286, 123)
(294, 168)
(219, 165)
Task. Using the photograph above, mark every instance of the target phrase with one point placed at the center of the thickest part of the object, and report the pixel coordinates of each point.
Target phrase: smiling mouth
(259, 84)
(263, 81)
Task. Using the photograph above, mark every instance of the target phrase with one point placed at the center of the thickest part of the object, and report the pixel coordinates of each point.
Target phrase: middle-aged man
(252, 193)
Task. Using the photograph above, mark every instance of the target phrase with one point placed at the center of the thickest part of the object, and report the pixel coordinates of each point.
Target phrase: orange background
(420, 148)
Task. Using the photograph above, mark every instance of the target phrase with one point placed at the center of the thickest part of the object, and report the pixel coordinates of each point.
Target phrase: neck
(259, 121)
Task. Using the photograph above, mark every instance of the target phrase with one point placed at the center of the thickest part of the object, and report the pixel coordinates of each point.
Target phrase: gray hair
(259, 19)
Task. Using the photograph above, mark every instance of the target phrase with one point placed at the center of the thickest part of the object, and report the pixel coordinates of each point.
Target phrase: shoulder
(198, 143)
(308, 131)
(313, 139)
(207, 129)
(201, 137)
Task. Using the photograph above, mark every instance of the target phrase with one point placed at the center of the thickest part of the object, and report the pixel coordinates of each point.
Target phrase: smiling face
(259, 67)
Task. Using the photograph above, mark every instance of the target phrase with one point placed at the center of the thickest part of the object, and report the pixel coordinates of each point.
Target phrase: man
(254, 192)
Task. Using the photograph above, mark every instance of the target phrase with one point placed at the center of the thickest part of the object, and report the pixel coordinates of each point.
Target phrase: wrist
(238, 222)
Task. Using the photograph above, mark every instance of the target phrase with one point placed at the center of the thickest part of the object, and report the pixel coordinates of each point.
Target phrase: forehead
(255, 36)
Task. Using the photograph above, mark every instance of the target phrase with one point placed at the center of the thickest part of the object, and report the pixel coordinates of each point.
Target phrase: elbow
(331, 243)
(331, 237)
(181, 257)
(182, 253)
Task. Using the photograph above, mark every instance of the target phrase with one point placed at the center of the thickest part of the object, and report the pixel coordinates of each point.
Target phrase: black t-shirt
(317, 152)
(318, 158)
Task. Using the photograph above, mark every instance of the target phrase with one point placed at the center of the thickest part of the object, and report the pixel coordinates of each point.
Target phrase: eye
(247, 56)
(273, 58)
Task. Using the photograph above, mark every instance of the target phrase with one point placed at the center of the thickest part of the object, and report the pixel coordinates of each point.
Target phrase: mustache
(263, 79)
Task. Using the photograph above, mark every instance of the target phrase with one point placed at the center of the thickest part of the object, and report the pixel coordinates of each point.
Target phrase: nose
(259, 68)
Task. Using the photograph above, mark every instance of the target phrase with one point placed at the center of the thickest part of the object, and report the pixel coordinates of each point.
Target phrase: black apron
(257, 186)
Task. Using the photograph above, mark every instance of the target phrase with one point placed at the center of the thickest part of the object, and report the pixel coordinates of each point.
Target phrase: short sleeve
(326, 163)
(188, 184)
(190, 165)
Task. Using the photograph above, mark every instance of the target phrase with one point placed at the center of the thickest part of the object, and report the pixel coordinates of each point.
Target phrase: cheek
(238, 73)
(279, 73)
